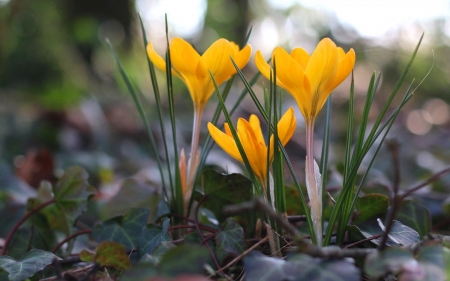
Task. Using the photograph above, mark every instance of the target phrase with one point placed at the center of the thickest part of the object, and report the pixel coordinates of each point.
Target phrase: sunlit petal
(256, 127)
(301, 57)
(225, 142)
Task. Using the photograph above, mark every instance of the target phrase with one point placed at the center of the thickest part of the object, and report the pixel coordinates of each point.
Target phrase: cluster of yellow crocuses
(308, 78)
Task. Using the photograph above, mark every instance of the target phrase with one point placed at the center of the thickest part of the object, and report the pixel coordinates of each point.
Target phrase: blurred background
(63, 102)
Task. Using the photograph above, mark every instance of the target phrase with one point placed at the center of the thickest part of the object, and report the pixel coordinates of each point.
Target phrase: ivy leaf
(108, 254)
(71, 194)
(415, 216)
(30, 263)
(184, 259)
(152, 235)
(229, 240)
(132, 194)
(222, 189)
(370, 205)
(402, 235)
(300, 267)
(26, 236)
(123, 229)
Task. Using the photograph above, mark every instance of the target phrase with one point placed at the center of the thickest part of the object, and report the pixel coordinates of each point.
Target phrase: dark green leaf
(415, 216)
(432, 260)
(71, 194)
(152, 235)
(222, 189)
(32, 262)
(300, 267)
(185, 259)
(27, 236)
(124, 229)
(370, 205)
(108, 253)
(132, 194)
(229, 240)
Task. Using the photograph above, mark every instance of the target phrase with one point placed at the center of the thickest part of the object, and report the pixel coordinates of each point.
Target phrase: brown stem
(21, 221)
(433, 178)
(197, 226)
(362, 241)
(81, 232)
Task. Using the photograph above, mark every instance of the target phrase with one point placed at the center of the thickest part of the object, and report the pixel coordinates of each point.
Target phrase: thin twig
(243, 254)
(396, 199)
(260, 205)
(362, 241)
(197, 226)
(21, 221)
(433, 178)
(87, 231)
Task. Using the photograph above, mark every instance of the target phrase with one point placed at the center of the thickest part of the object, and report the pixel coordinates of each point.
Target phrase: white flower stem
(193, 159)
(313, 183)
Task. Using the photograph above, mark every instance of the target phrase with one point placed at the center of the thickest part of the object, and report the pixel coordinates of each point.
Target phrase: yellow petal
(321, 71)
(262, 65)
(156, 59)
(225, 142)
(346, 65)
(184, 59)
(256, 127)
(292, 78)
(286, 126)
(301, 57)
(256, 152)
(242, 57)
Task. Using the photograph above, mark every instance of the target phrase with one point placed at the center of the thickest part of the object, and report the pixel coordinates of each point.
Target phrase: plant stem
(193, 159)
(21, 221)
(314, 189)
(81, 232)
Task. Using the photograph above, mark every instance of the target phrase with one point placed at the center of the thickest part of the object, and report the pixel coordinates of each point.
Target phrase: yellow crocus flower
(252, 140)
(193, 69)
(309, 79)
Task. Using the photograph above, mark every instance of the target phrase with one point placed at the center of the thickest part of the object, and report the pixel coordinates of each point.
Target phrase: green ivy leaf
(184, 259)
(370, 205)
(124, 229)
(71, 194)
(222, 189)
(432, 260)
(108, 253)
(415, 216)
(30, 263)
(300, 267)
(132, 194)
(152, 235)
(25, 236)
(229, 240)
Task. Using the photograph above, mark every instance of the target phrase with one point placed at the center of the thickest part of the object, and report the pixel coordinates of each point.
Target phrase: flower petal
(184, 59)
(256, 127)
(226, 142)
(156, 59)
(301, 57)
(286, 126)
(346, 64)
(256, 152)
